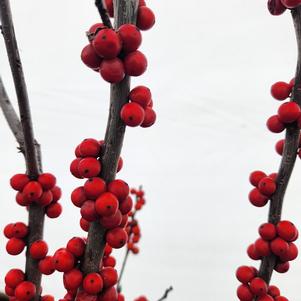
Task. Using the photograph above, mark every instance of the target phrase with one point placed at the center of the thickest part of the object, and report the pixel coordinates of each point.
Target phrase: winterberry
(141, 95)
(88, 211)
(93, 283)
(245, 274)
(33, 191)
(132, 114)
(94, 187)
(38, 249)
(282, 267)
(279, 246)
(112, 70)
(257, 198)
(276, 7)
(14, 277)
(244, 293)
(25, 291)
(135, 63)
(275, 125)
(145, 18)
(116, 238)
(89, 167)
(78, 196)
(90, 57)
(106, 204)
(63, 260)
(72, 279)
(119, 188)
(89, 148)
(109, 276)
(76, 246)
(267, 231)
(113, 221)
(267, 186)
(291, 3)
(130, 36)
(46, 266)
(258, 286)
(47, 181)
(15, 246)
(18, 181)
(149, 118)
(289, 112)
(286, 230)
(280, 90)
(54, 210)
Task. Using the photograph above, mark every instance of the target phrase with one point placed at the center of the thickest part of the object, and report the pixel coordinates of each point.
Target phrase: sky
(211, 65)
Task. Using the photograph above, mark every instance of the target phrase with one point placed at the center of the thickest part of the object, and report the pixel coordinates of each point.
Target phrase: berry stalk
(103, 13)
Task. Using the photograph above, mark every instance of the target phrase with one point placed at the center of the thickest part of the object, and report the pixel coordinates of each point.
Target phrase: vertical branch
(103, 13)
(288, 157)
(125, 12)
(36, 213)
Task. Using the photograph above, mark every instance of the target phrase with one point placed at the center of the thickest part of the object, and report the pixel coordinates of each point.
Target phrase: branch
(103, 13)
(3, 297)
(33, 166)
(166, 293)
(125, 11)
(288, 158)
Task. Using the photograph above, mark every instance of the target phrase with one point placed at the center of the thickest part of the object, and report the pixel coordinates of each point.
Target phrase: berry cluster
(278, 7)
(43, 192)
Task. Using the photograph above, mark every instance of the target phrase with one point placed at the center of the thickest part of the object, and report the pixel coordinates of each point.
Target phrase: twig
(3, 297)
(103, 13)
(36, 213)
(125, 12)
(122, 270)
(288, 157)
(166, 293)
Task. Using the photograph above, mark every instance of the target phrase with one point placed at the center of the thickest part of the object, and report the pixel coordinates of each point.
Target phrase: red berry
(106, 204)
(132, 114)
(72, 279)
(21, 200)
(45, 199)
(279, 246)
(88, 211)
(9, 291)
(145, 18)
(19, 181)
(276, 7)
(267, 186)
(252, 252)
(149, 117)
(135, 63)
(282, 267)
(289, 112)
(47, 298)
(267, 231)
(108, 250)
(112, 70)
(89, 148)
(141, 95)
(126, 205)
(47, 181)
(245, 274)
(46, 266)
(94, 187)
(275, 125)
(20, 230)
(286, 230)
(90, 57)
(257, 198)
(14, 277)
(38, 249)
(119, 188)
(291, 3)
(84, 224)
(280, 90)
(56, 193)
(265, 298)
(141, 3)
(281, 298)
(280, 147)
(109, 261)
(74, 168)
(25, 291)
(116, 238)
(124, 221)
(130, 36)
(113, 221)
(15, 246)
(109, 276)
(244, 293)
(32, 191)
(95, 27)
(54, 210)
(63, 260)
(262, 247)
(9, 230)
(83, 296)
(89, 167)
(76, 246)
(258, 287)
(274, 291)
(109, 294)
(78, 196)
(120, 297)
(291, 254)
(93, 283)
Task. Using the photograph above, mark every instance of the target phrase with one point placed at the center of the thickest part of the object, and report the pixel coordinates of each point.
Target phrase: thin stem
(33, 164)
(166, 293)
(288, 158)
(122, 270)
(103, 13)
(125, 12)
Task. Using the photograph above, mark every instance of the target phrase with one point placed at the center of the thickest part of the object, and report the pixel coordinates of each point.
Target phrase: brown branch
(125, 11)
(166, 293)
(3, 297)
(288, 157)
(122, 270)
(33, 166)
(103, 13)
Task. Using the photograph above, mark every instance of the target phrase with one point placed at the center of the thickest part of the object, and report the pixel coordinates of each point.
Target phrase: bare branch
(288, 157)
(103, 13)
(166, 293)
(3, 297)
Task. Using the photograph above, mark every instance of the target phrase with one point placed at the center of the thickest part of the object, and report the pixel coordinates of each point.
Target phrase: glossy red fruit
(45, 199)
(289, 112)
(244, 293)
(135, 63)
(88, 211)
(84, 296)
(276, 7)
(267, 231)
(112, 70)
(267, 186)
(32, 191)
(281, 90)
(265, 298)
(9, 291)
(109, 261)
(74, 168)
(279, 246)
(84, 224)
(18, 181)
(110, 7)
(282, 267)
(116, 238)
(78, 196)
(38, 249)
(95, 27)
(90, 57)
(279, 147)
(113, 221)
(145, 18)
(273, 291)
(149, 117)
(73, 279)
(141, 95)
(275, 125)
(76, 246)
(291, 3)
(94, 187)
(54, 210)
(89, 167)
(25, 291)
(262, 247)
(109, 294)
(126, 205)
(130, 36)
(47, 181)
(46, 266)
(108, 250)
(291, 254)
(47, 298)
(63, 260)
(14, 277)
(120, 297)
(19, 230)
(56, 193)
(257, 198)
(109, 276)
(93, 283)
(124, 221)
(286, 230)
(89, 148)
(280, 298)
(8, 230)
(119, 188)
(15, 246)
(106, 204)
(258, 287)
(245, 274)
(132, 114)
(252, 253)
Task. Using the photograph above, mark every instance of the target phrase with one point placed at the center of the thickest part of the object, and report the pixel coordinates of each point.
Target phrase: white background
(211, 64)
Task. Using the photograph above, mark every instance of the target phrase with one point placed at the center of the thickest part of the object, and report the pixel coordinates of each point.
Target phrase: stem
(166, 293)
(103, 13)
(122, 270)
(288, 158)
(125, 12)
(33, 161)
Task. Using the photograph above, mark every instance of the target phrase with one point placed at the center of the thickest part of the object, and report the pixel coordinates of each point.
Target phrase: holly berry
(130, 36)
(245, 274)
(73, 279)
(257, 198)
(281, 90)
(46, 266)
(276, 7)
(132, 114)
(106, 204)
(90, 57)
(89, 148)
(112, 70)
(286, 230)
(145, 18)
(291, 3)
(289, 112)
(89, 167)
(279, 246)
(109, 276)
(15, 246)
(38, 249)
(63, 260)
(94, 187)
(18, 181)
(244, 293)
(14, 277)
(267, 231)
(275, 125)
(76, 246)
(135, 63)
(149, 117)
(25, 291)
(116, 238)
(47, 181)
(267, 186)
(258, 287)
(119, 188)
(93, 283)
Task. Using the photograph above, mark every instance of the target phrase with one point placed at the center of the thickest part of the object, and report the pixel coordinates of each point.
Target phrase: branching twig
(288, 157)
(103, 13)
(125, 12)
(36, 213)
(166, 293)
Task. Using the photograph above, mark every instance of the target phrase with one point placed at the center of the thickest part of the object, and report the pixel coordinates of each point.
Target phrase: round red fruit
(149, 117)
(32, 191)
(25, 291)
(279, 246)
(89, 148)
(275, 125)
(109, 276)
(267, 186)
(90, 57)
(72, 279)
(145, 18)
(106, 204)
(47, 181)
(76, 246)
(273, 291)
(112, 71)
(88, 211)
(262, 247)
(141, 95)
(94, 187)
(14, 277)
(89, 167)
(38, 249)
(46, 266)
(132, 114)
(116, 238)
(113, 221)
(282, 267)
(281, 90)
(54, 210)
(93, 283)
(245, 274)
(279, 147)
(257, 198)
(291, 3)
(267, 231)
(286, 230)
(289, 112)
(18, 181)
(252, 253)
(244, 293)
(258, 287)
(78, 196)
(130, 36)
(276, 7)
(135, 63)
(15, 246)
(119, 188)
(63, 260)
